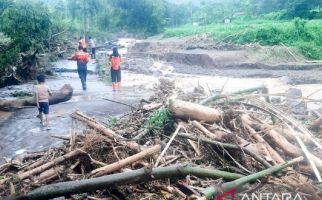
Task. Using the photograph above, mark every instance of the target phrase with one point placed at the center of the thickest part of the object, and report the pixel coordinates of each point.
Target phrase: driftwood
(46, 166)
(288, 119)
(288, 148)
(129, 160)
(276, 157)
(218, 136)
(64, 94)
(48, 175)
(248, 149)
(246, 91)
(134, 176)
(192, 111)
(104, 130)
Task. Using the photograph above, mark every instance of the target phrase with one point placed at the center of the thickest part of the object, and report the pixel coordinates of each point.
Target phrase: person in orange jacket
(115, 62)
(82, 59)
(82, 42)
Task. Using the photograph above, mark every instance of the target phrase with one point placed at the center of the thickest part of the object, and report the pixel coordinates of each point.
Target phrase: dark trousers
(82, 73)
(116, 75)
(93, 53)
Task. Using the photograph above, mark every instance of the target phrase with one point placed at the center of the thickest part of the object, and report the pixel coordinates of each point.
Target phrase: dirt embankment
(207, 53)
(202, 56)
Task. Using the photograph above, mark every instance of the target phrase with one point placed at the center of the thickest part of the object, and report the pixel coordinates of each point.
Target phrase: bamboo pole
(120, 164)
(213, 191)
(246, 91)
(167, 146)
(134, 176)
(217, 136)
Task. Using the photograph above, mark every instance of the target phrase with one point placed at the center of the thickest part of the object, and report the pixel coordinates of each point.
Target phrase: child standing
(42, 93)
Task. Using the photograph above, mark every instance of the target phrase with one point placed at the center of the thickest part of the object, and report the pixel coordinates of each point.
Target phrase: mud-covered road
(20, 131)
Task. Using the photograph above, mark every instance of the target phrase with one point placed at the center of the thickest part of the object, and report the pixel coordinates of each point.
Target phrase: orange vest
(81, 56)
(83, 43)
(115, 62)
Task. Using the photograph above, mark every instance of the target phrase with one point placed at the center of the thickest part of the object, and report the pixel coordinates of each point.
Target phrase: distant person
(82, 42)
(92, 47)
(115, 62)
(42, 93)
(82, 59)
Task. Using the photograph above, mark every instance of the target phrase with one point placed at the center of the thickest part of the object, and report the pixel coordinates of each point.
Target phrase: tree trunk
(64, 94)
(192, 111)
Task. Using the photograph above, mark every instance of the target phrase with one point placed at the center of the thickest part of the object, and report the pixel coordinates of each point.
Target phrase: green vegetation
(302, 34)
(112, 121)
(37, 26)
(159, 120)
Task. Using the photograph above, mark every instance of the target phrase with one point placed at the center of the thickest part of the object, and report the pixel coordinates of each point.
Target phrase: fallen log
(129, 160)
(64, 94)
(213, 191)
(134, 176)
(192, 111)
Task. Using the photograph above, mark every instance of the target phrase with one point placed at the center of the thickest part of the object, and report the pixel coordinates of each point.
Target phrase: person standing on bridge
(115, 62)
(82, 59)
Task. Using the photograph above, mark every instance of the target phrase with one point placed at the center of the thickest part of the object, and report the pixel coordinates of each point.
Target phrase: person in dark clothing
(115, 62)
(82, 59)
(92, 47)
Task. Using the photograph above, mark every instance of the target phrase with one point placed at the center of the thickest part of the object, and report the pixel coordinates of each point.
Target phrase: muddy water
(21, 131)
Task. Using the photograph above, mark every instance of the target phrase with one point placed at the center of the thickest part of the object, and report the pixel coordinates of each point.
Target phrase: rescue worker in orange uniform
(115, 63)
(82, 59)
(82, 42)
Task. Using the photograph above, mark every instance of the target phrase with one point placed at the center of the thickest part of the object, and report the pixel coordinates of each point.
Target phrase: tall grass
(303, 35)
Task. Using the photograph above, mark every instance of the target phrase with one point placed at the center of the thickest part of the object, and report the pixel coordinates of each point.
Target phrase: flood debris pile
(168, 148)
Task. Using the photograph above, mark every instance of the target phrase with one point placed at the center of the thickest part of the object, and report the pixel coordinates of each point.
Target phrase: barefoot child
(42, 93)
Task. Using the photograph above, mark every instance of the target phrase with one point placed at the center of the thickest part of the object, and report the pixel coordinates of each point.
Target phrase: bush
(158, 121)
